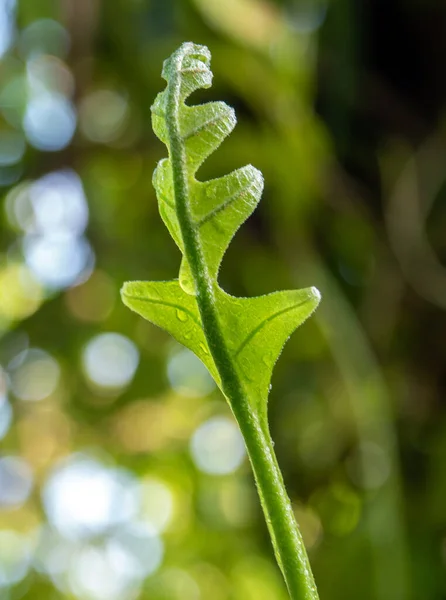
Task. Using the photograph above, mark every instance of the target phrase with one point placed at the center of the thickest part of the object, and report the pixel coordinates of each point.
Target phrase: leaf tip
(256, 177)
(317, 296)
(125, 291)
(131, 291)
(188, 51)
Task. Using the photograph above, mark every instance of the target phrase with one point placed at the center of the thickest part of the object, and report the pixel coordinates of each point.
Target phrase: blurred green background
(122, 474)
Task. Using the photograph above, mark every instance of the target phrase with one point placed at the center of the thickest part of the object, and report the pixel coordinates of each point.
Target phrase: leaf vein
(201, 127)
(163, 303)
(224, 205)
(263, 323)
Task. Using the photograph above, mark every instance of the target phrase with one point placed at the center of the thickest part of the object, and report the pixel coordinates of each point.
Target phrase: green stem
(285, 535)
(287, 540)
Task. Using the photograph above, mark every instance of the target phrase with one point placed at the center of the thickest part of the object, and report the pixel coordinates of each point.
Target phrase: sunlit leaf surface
(255, 329)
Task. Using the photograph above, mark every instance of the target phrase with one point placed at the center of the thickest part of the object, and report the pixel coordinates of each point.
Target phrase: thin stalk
(287, 540)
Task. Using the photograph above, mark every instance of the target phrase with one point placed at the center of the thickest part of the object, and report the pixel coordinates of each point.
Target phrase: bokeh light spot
(369, 466)
(137, 548)
(48, 74)
(217, 446)
(59, 204)
(12, 147)
(20, 293)
(49, 122)
(95, 576)
(110, 360)
(188, 375)
(58, 260)
(237, 502)
(18, 207)
(178, 584)
(16, 481)
(53, 554)
(5, 414)
(7, 18)
(103, 116)
(94, 300)
(34, 374)
(15, 557)
(83, 498)
(44, 36)
(157, 504)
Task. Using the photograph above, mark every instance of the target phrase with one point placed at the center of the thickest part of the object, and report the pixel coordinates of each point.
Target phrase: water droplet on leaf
(182, 316)
(186, 281)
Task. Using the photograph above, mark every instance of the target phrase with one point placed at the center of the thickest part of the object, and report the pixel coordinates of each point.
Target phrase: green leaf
(218, 209)
(257, 329)
(165, 304)
(238, 339)
(254, 329)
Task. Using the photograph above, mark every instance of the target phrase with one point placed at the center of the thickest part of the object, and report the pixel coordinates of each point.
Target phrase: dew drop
(187, 285)
(182, 316)
(186, 281)
(204, 349)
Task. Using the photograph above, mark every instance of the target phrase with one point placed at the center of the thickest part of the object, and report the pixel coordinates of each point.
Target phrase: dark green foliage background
(337, 105)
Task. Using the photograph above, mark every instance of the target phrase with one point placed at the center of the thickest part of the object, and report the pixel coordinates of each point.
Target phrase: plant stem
(287, 540)
(285, 535)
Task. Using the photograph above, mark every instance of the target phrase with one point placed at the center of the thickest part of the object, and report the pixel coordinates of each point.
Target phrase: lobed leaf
(254, 329)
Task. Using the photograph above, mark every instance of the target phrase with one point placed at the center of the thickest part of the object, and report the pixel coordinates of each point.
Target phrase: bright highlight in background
(110, 360)
(53, 214)
(103, 116)
(157, 504)
(217, 446)
(59, 204)
(59, 260)
(5, 415)
(115, 570)
(95, 575)
(16, 481)
(34, 374)
(44, 36)
(7, 9)
(83, 498)
(15, 558)
(49, 122)
(188, 375)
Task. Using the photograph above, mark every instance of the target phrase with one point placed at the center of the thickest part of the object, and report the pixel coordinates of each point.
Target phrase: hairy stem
(287, 541)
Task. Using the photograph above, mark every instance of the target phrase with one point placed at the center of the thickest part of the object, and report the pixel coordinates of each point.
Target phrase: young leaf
(255, 328)
(238, 339)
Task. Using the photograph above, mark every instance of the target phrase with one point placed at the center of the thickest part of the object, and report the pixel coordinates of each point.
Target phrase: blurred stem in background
(373, 417)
